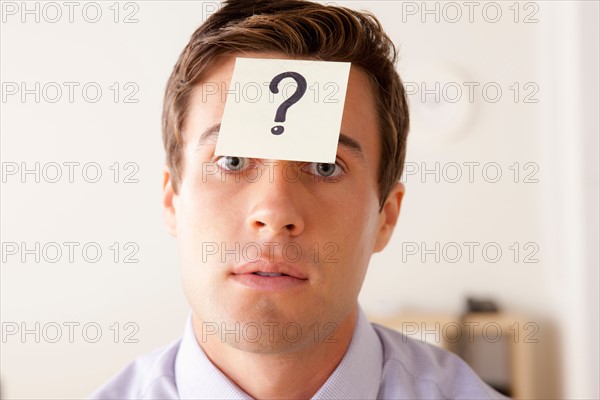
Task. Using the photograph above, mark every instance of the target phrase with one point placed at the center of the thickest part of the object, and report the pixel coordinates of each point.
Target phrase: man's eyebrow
(210, 134)
(351, 145)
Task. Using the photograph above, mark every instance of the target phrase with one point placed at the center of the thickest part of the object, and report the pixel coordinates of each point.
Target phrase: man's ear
(168, 205)
(388, 216)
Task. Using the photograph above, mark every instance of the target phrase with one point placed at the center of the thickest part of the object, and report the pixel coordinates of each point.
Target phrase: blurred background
(501, 204)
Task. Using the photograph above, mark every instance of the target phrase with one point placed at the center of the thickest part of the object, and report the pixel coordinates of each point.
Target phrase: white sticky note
(311, 128)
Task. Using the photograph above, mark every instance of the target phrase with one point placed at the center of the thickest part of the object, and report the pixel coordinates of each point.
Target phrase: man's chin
(267, 326)
(269, 337)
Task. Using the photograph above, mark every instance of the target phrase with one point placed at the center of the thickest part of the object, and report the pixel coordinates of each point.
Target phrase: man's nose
(276, 203)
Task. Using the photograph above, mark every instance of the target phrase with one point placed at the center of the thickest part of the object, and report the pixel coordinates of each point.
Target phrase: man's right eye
(229, 163)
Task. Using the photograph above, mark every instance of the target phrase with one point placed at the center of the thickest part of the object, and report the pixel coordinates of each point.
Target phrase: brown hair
(302, 29)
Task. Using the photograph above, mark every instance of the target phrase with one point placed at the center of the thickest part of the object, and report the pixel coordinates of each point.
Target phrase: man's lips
(267, 268)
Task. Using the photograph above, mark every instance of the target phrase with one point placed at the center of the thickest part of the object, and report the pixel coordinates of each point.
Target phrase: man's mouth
(270, 276)
(269, 269)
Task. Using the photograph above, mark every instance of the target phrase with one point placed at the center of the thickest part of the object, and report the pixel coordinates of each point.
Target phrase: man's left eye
(325, 170)
(229, 163)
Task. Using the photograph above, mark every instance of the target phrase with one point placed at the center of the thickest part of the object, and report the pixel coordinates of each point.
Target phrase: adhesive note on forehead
(284, 110)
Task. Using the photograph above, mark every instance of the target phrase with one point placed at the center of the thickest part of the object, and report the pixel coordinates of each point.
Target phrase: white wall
(555, 139)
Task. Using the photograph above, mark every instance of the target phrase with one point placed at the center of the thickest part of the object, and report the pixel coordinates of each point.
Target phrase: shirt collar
(357, 376)
(196, 377)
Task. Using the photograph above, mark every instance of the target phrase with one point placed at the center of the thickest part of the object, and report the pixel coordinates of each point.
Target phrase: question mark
(282, 109)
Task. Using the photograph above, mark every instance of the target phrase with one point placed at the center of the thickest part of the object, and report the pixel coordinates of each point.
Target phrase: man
(273, 328)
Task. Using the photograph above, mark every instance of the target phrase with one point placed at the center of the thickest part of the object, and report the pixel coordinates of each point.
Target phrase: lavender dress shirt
(379, 364)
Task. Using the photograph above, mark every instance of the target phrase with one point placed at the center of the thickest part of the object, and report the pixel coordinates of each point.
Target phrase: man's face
(236, 219)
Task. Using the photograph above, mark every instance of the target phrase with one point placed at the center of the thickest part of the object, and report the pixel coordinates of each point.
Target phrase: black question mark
(282, 109)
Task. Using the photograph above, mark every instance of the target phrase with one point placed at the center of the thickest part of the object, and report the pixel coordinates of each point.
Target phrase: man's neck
(291, 375)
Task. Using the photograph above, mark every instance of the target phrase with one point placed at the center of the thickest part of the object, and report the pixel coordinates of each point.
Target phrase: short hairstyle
(295, 29)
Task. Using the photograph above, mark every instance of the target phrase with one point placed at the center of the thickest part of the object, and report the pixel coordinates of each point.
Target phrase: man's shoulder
(147, 377)
(421, 370)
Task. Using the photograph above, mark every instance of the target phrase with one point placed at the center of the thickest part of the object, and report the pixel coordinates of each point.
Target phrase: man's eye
(325, 170)
(229, 163)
